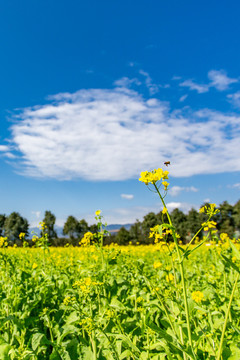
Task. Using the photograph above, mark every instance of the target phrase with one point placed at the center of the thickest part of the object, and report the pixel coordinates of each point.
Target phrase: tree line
(228, 221)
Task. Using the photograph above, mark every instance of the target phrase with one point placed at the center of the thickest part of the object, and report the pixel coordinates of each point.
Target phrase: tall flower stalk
(157, 179)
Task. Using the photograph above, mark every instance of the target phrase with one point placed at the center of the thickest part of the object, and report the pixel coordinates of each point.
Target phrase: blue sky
(93, 92)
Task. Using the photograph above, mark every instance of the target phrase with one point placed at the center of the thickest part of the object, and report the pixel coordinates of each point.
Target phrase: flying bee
(167, 163)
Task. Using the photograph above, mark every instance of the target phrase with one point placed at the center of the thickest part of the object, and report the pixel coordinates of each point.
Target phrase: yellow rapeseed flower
(169, 277)
(209, 209)
(165, 184)
(157, 264)
(98, 212)
(197, 296)
(86, 240)
(151, 177)
(2, 241)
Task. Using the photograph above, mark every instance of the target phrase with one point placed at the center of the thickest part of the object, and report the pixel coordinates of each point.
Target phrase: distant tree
(49, 220)
(179, 220)
(2, 221)
(82, 228)
(236, 215)
(225, 219)
(123, 237)
(135, 232)
(194, 222)
(93, 228)
(150, 220)
(14, 225)
(71, 227)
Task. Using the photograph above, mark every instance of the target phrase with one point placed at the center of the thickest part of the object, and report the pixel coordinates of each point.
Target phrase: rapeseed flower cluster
(42, 225)
(157, 264)
(69, 300)
(197, 296)
(209, 225)
(87, 238)
(86, 284)
(169, 278)
(152, 177)
(3, 242)
(22, 236)
(209, 209)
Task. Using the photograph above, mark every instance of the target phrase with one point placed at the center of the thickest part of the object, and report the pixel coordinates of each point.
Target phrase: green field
(117, 303)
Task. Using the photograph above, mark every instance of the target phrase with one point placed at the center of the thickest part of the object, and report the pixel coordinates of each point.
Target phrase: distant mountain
(116, 227)
(36, 230)
(113, 228)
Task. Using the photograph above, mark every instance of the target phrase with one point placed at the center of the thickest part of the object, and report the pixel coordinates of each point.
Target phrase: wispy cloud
(131, 214)
(176, 190)
(234, 99)
(185, 207)
(37, 214)
(103, 134)
(218, 79)
(4, 148)
(126, 82)
(6, 151)
(200, 88)
(182, 98)
(235, 186)
(127, 196)
(153, 88)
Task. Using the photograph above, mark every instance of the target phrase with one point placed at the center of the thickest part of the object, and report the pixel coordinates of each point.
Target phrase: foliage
(14, 225)
(2, 221)
(49, 220)
(71, 227)
(130, 308)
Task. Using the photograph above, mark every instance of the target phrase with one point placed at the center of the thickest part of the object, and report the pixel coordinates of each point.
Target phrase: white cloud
(6, 151)
(206, 201)
(235, 186)
(101, 134)
(185, 207)
(200, 88)
(153, 88)
(126, 82)
(235, 99)
(127, 196)
(182, 98)
(176, 190)
(131, 214)
(37, 214)
(220, 80)
(175, 78)
(4, 148)
(35, 219)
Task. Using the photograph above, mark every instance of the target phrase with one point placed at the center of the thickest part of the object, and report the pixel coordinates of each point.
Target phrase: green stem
(226, 319)
(162, 303)
(181, 272)
(94, 345)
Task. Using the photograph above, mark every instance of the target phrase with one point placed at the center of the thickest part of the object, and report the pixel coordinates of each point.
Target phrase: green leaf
(234, 249)
(115, 303)
(125, 354)
(38, 339)
(54, 356)
(4, 350)
(230, 263)
(176, 346)
(126, 340)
